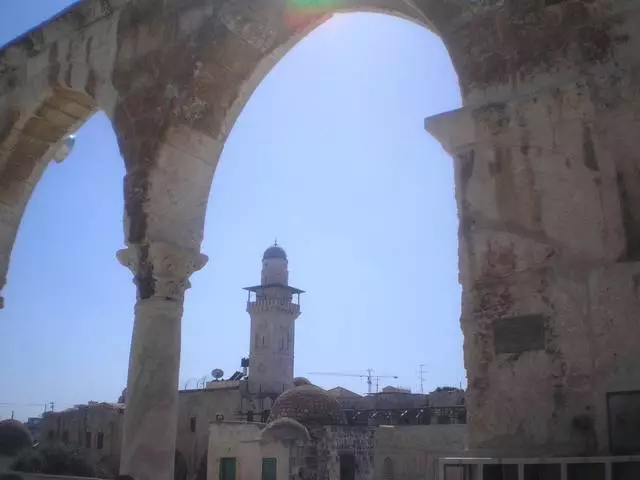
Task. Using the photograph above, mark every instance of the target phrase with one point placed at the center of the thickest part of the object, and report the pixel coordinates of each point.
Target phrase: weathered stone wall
(410, 452)
(203, 406)
(81, 427)
(546, 183)
(319, 459)
(242, 442)
(339, 440)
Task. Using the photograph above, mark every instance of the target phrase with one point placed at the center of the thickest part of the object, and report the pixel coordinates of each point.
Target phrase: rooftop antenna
(422, 365)
(275, 242)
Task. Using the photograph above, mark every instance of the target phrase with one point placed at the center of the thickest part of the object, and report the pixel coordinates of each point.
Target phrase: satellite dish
(217, 373)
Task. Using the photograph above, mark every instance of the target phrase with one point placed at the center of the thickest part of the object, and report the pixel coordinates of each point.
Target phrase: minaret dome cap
(275, 251)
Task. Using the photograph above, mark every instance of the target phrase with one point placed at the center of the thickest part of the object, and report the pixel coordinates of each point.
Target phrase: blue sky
(330, 156)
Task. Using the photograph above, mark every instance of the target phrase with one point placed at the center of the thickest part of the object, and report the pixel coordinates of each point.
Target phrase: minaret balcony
(279, 304)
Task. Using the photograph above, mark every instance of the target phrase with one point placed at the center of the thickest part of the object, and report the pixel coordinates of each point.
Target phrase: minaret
(273, 312)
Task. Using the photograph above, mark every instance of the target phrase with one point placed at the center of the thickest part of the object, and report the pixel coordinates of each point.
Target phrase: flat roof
(257, 288)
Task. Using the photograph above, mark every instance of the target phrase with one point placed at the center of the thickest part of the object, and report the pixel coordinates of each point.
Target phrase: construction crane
(369, 376)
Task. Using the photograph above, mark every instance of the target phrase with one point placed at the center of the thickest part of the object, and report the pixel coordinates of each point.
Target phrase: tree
(14, 437)
(56, 460)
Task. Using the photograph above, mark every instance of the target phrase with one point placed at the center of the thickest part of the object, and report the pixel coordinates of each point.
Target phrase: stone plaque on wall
(518, 334)
(624, 422)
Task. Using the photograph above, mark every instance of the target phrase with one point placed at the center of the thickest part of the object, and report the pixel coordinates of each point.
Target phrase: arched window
(387, 469)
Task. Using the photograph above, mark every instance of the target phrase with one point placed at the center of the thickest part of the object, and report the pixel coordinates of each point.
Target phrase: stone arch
(30, 138)
(211, 55)
(249, 41)
(51, 83)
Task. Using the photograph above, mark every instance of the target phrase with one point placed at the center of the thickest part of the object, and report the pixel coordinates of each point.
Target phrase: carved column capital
(161, 269)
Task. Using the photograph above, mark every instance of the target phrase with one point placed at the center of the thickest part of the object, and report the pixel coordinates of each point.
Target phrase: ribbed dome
(301, 381)
(307, 404)
(14, 437)
(275, 251)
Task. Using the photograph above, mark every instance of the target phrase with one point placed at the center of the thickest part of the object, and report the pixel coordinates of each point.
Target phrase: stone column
(161, 272)
(541, 238)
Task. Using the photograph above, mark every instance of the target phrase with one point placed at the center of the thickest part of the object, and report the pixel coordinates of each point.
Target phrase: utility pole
(12, 413)
(422, 365)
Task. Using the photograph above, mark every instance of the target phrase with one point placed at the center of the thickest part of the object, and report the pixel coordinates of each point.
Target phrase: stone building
(95, 428)
(394, 406)
(273, 306)
(306, 437)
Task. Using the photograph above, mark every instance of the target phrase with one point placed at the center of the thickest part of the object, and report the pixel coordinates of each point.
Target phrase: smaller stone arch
(387, 469)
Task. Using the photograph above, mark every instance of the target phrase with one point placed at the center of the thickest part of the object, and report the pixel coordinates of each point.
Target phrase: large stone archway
(546, 181)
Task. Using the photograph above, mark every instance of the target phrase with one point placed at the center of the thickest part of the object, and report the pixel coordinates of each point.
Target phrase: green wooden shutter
(227, 468)
(269, 469)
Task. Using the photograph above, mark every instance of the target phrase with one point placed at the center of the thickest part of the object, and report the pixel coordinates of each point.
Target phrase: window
(87, 439)
(50, 435)
(503, 472)
(269, 469)
(347, 467)
(65, 436)
(100, 441)
(227, 468)
(192, 424)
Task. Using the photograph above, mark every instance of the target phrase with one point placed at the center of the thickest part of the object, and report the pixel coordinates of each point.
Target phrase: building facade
(249, 397)
(273, 306)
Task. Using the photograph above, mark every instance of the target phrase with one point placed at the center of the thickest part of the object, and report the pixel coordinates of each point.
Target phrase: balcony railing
(275, 303)
(547, 468)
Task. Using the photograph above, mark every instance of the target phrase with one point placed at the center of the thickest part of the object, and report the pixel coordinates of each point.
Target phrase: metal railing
(546, 468)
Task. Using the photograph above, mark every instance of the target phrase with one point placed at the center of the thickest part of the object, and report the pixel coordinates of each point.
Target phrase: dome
(307, 404)
(284, 429)
(14, 437)
(301, 381)
(275, 251)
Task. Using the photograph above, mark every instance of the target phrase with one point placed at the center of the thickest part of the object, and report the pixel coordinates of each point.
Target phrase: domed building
(305, 437)
(309, 405)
